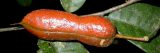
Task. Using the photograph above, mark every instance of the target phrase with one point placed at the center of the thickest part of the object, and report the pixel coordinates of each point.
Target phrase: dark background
(23, 42)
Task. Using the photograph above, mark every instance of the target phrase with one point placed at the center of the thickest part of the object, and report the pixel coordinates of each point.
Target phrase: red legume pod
(58, 25)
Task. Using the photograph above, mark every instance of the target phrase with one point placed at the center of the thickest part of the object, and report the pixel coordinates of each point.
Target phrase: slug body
(58, 25)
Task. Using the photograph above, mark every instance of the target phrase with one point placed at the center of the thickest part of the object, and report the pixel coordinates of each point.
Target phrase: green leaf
(150, 47)
(60, 47)
(72, 5)
(24, 2)
(139, 20)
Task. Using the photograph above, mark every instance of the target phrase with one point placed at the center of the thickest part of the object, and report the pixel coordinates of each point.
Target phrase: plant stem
(114, 8)
(145, 38)
(10, 29)
(98, 13)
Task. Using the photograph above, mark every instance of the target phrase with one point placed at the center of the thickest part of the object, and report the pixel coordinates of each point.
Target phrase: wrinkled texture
(58, 25)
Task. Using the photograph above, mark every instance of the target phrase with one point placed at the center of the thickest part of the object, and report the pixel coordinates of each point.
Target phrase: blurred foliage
(24, 2)
(60, 47)
(72, 5)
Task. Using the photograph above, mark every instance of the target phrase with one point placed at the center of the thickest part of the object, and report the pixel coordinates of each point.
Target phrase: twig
(145, 38)
(10, 29)
(114, 8)
(98, 13)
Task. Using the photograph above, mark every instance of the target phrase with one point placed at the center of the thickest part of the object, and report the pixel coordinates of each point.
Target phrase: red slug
(58, 25)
